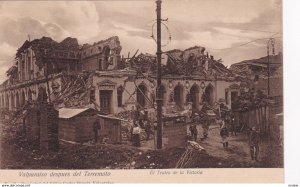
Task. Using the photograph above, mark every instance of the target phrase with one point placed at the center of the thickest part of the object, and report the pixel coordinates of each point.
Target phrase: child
(224, 134)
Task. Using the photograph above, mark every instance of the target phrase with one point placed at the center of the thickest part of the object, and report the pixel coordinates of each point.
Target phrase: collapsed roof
(259, 66)
(190, 62)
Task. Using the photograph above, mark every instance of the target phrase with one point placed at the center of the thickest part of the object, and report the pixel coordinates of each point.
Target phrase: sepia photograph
(156, 84)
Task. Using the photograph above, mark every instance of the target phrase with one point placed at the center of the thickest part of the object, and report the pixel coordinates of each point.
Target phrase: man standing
(254, 143)
(136, 135)
(224, 135)
(205, 127)
(233, 125)
(96, 127)
(194, 131)
(148, 129)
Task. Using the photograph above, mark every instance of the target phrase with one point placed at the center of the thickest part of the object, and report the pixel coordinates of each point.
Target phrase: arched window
(120, 96)
(178, 95)
(208, 95)
(194, 96)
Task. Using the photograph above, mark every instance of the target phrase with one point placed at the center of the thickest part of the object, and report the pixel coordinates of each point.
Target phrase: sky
(231, 30)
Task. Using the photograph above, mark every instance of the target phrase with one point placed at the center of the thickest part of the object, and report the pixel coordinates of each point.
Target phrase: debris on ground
(20, 154)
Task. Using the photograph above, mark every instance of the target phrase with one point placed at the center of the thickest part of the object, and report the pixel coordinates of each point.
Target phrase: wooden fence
(263, 118)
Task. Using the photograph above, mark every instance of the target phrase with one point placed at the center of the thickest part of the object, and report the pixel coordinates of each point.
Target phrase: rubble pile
(166, 158)
(259, 67)
(142, 63)
(20, 154)
(176, 62)
(74, 91)
(124, 115)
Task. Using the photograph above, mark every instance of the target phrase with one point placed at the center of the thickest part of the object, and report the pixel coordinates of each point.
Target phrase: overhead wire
(254, 40)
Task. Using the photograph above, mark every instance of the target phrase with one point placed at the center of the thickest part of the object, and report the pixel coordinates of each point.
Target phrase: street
(270, 155)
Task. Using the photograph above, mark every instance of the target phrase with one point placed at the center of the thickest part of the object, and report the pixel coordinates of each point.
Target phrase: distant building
(257, 71)
(96, 76)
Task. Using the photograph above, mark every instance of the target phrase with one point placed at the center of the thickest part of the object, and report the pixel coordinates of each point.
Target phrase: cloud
(77, 19)
(214, 24)
(7, 50)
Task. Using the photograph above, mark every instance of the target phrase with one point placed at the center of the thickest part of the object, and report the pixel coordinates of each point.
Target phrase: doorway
(178, 95)
(208, 95)
(194, 96)
(105, 101)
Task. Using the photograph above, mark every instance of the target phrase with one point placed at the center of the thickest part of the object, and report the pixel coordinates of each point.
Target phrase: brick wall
(32, 126)
(48, 128)
(91, 64)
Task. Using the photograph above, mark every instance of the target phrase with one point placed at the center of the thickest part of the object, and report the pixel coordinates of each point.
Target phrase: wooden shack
(76, 125)
(111, 128)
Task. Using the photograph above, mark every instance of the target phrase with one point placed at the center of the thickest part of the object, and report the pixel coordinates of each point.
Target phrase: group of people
(227, 124)
(140, 121)
(193, 127)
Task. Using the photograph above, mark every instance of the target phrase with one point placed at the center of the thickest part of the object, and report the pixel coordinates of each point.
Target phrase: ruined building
(256, 70)
(95, 76)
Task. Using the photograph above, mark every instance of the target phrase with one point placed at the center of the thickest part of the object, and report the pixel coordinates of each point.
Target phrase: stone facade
(115, 84)
(44, 61)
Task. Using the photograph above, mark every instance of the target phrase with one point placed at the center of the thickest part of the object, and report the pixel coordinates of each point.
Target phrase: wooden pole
(159, 91)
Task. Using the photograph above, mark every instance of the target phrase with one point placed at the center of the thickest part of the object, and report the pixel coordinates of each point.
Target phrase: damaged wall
(103, 55)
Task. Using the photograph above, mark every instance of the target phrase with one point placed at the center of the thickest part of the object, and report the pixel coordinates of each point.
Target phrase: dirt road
(16, 153)
(270, 155)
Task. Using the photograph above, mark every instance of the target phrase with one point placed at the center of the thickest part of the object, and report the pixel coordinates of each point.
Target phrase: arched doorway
(141, 95)
(208, 95)
(17, 100)
(7, 101)
(194, 96)
(178, 95)
(12, 101)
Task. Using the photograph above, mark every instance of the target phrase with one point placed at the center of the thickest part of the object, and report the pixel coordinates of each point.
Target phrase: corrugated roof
(67, 113)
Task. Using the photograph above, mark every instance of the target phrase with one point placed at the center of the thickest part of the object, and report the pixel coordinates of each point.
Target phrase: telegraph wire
(255, 40)
(220, 49)
(254, 30)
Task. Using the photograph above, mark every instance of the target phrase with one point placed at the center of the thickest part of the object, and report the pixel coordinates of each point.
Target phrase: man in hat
(254, 143)
(194, 131)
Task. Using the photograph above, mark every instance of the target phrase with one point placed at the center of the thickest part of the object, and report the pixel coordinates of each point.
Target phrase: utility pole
(158, 88)
(272, 41)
